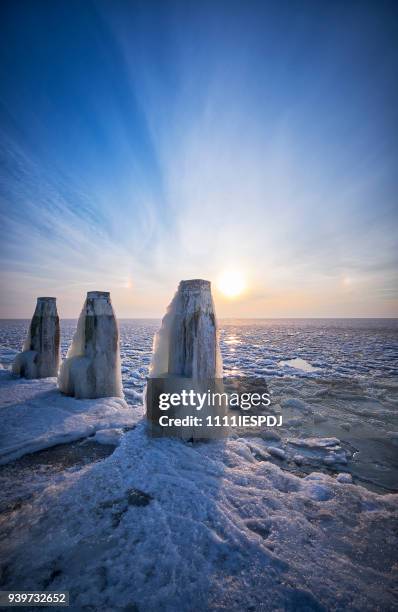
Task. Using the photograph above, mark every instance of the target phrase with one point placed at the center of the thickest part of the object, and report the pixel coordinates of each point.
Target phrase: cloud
(196, 144)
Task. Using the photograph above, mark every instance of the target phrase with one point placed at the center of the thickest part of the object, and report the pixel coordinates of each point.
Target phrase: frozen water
(338, 348)
(165, 525)
(298, 364)
(35, 415)
(226, 525)
(352, 395)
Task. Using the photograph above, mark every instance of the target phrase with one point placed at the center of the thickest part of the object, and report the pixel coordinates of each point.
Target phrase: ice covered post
(40, 353)
(186, 356)
(187, 342)
(92, 365)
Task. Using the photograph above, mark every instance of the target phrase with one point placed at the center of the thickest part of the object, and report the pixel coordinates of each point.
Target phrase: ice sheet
(34, 415)
(165, 525)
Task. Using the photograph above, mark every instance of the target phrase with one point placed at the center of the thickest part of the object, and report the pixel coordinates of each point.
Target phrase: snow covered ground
(164, 525)
(256, 522)
(34, 415)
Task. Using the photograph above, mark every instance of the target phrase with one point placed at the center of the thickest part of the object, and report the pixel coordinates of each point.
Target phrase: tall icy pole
(92, 366)
(187, 342)
(40, 354)
(186, 357)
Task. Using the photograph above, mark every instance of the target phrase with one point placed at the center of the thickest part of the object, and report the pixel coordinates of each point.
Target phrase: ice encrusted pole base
(92, 366)
(40, 354)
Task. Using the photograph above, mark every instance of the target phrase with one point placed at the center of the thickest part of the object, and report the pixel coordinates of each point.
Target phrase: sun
(231, 284)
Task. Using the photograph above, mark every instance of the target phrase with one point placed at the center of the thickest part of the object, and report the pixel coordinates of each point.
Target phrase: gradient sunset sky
(147, 142)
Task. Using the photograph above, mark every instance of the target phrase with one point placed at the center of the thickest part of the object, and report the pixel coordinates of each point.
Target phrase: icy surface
(110, 436)
(352, 395)
(164, 525)
(298, 364)
(35, 415)
(257, 521)
(340, 348)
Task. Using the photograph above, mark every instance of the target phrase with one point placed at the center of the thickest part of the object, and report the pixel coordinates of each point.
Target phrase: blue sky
(147, 142)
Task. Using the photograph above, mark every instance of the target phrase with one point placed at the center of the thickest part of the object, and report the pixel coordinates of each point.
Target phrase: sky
(249, 143)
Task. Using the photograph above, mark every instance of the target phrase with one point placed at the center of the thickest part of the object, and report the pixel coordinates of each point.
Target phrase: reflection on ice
(232, 340)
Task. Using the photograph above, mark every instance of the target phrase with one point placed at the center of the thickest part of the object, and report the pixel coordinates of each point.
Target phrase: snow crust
(35, 415)
(165, 525)
(109, 436)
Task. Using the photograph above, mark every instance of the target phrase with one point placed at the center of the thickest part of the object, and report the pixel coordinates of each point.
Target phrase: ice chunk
(333, 458)
(108, 436)
(7, 357)
(40, 355)
(326, 451)
(277, 452)
(92, 366)
(319, 492)
(293, 403)
(298, 364)
(316, 443)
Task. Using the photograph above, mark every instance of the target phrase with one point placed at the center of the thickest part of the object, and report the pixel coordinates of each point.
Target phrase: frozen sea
(330, 377)
(306, 519)
(344, 348)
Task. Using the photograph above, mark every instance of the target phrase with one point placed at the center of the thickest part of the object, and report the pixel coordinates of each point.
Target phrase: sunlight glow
(231, 284)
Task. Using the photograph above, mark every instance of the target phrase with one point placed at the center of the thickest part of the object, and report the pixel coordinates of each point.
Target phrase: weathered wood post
(186, 355)
(40, 354)
(187, 342)
(92, 365)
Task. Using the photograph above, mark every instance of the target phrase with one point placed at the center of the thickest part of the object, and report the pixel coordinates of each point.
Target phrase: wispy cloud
(200, 143)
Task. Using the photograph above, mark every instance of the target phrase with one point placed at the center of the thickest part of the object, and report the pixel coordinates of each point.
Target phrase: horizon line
(223, 318)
